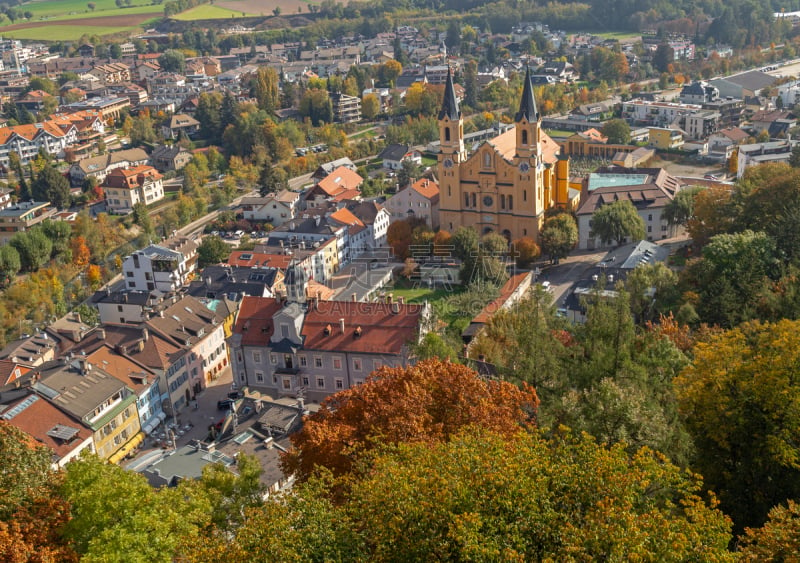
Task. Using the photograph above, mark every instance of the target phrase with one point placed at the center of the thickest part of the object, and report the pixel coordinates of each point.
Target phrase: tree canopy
(428, 402)
(617, 221)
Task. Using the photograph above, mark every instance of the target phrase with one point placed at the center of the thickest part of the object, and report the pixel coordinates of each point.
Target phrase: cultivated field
(224, 9)
(64, 20)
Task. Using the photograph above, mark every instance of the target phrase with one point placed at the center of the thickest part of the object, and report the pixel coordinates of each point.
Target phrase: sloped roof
(382, 331)
(506, 146)
(426, 188)
(254, 321)
(658, 190)
(341, 179)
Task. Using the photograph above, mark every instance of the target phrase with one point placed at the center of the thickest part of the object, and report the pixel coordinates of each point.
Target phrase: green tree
(59, 233)
(50, 185)
(316, 105)
(559, 236)
(739, 398)
(618, 131)
(409, 173)
(465, 243)
(600, 503)
(617, 221)
(172, 60)
(34, 249)
(141, 217)
(212, 250)
(264, 87)
(680, 209)
(10, 264)
(118, 516)
(44, 84)
(653, 291)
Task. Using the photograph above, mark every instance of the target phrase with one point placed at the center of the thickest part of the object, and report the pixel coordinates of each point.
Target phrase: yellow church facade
(508, 183)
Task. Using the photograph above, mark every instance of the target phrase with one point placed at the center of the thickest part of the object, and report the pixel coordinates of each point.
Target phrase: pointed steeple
(449, 104)
(527, 105)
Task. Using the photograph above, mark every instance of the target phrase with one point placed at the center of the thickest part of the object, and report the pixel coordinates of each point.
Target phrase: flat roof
(613, 180)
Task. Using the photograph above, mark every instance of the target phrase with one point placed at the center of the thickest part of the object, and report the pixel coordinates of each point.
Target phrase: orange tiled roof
(345, 217)
(506, 145)
(426, 188)
(279, 261)
(340, 180)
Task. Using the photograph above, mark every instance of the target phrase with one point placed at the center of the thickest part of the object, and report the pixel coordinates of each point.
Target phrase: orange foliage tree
(80, 251)
(428, 402)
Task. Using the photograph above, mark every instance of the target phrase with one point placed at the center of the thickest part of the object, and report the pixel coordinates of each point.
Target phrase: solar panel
(62, 432)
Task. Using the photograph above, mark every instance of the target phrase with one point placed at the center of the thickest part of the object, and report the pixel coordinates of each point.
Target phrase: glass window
(303, 361)
(356, 364)
(257, 357)
(259, 377)
(339, 383)
(317, 362)
(337, 363)
(321, 382)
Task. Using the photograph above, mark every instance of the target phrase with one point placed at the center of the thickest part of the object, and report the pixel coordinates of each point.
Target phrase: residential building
(28, 140)
(722, 143)
(317, 348)
(639, 113)
(274, 208)
(125, 187)
(234, 282)
(649, 190)
(665, 138)
(753, 154)
(139, 379)
(346, 109)
(100, 401)
(312, 232)
(30, 350)
(65, 436)
(700, 124)
(376, 219)
(591, 143)
(124, 307)
(112, 73)
(395, 154)
(189, 324)
(23, 216)
(98, 167)
(168, 158)
(180, 124)
(507, 184)
(743, 85)
(109, 108)
(157, 267)
(326, 169)
(419, 200)
(339, 185)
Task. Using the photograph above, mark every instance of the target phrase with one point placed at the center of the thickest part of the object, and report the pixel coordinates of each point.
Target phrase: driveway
(569, 270)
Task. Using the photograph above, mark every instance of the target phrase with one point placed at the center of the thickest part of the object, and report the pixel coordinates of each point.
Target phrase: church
(507, 184)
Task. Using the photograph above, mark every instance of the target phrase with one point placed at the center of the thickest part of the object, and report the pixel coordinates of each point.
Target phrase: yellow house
(664, 138)
(102, 402)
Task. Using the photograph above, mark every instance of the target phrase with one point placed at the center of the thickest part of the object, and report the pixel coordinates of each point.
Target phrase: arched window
(446, 133)
(487, 160)
(524, 136)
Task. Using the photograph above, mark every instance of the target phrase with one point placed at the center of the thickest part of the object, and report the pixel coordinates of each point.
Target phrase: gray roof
(449, 102)
(753, 80)
(395, 151)
(77, 391)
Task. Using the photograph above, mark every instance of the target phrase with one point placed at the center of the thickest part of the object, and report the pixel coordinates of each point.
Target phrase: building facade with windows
(312, 348)
(507, 184)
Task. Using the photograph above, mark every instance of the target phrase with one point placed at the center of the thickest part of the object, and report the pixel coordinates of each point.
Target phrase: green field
(209, 12)
(64, 32)
(78, 8)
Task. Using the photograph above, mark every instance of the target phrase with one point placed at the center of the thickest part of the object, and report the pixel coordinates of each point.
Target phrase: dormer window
(357, 332)
(327, 330)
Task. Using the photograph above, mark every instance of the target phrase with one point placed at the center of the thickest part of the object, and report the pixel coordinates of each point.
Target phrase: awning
(151, 425)
(120, 454)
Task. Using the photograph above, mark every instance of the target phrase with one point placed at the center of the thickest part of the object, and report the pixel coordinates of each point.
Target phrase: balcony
(287, 371)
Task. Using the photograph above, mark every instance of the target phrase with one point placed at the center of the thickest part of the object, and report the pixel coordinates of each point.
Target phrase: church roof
(450, 103)
(527, 105)
(506, 146)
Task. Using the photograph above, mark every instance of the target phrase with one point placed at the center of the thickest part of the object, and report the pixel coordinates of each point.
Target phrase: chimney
(341, 325)
(389, 298)
(357, 332)
(401, 300)
(101, 334)
(77, 317)
(395, 308)
(145, 334)
(355, 297)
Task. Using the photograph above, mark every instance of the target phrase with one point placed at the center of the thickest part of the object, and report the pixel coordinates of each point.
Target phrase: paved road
(568, 271)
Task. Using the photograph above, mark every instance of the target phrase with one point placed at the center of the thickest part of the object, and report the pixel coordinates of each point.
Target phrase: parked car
(225, 404)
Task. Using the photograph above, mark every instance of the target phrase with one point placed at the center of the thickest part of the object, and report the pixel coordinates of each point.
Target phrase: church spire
(449, 104)
(527, 105)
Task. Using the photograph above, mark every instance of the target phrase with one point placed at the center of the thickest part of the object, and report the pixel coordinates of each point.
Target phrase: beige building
(125, 187)
(23, 216)
(419, 200)
(507, 184)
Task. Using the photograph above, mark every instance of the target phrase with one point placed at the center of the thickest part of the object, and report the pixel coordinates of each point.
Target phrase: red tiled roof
(40, 417)
(254, 321)
(121, 368)
(11, 371)
(382, 331)
(280, 261)
(426, 188)
(339, 180)
(505, 292)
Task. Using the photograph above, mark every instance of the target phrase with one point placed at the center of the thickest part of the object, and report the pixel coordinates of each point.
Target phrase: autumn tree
(370, 106)
(616, 222)
(264, 87)
(26, 469)
(316, 105)
(778, 539)
(739, 398)
(559, 236)
(713, 214)
(450, 501)
(428, 403)
(680, 209)
(526, 251)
